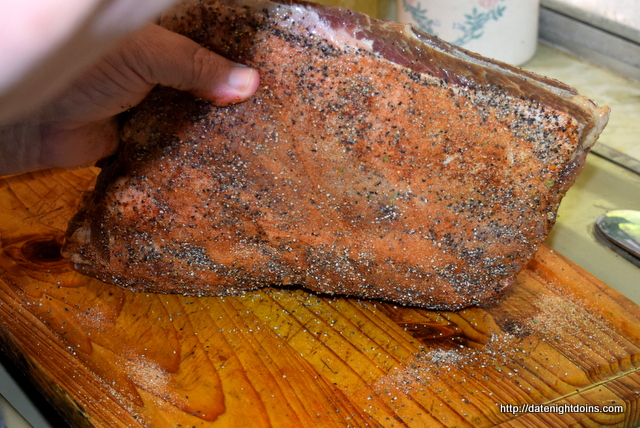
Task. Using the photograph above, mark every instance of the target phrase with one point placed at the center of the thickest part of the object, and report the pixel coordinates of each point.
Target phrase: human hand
(79, 126)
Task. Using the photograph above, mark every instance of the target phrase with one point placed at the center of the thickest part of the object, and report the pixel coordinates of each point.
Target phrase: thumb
(160, 56)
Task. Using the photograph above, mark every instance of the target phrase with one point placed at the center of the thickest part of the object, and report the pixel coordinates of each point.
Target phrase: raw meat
(374, 161)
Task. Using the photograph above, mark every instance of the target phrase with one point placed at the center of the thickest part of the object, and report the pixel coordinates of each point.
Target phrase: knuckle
(206, 66)
(135, 55)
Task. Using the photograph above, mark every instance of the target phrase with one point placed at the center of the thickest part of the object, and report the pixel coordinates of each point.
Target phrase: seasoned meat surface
(374, 161)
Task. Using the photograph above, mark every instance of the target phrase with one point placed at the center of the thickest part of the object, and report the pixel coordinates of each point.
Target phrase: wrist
(20, 144)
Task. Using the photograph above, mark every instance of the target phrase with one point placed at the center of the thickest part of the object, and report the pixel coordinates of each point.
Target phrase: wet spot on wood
(43, 249)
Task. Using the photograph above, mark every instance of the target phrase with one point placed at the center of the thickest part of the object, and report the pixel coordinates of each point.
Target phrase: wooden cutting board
(287, 358)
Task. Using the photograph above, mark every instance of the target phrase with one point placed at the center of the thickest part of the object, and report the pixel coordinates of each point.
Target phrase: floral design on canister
(506, 30)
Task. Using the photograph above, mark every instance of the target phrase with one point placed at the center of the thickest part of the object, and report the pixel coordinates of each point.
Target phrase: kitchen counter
(604, 87)
(602, 186)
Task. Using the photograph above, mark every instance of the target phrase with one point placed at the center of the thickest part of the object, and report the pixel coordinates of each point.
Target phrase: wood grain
(110, 357)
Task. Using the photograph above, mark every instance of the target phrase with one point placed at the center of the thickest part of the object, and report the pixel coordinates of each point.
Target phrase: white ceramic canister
(506, 30)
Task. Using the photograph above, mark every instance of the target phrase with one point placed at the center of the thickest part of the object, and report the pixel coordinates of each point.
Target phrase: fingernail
(240, 77)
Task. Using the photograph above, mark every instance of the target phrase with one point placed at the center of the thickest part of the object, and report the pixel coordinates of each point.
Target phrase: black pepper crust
(358, 168)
